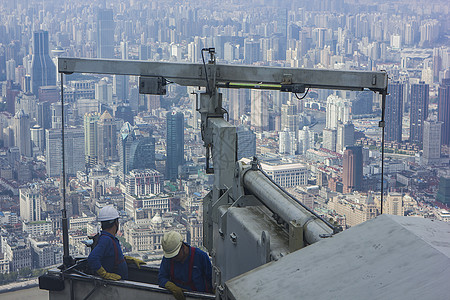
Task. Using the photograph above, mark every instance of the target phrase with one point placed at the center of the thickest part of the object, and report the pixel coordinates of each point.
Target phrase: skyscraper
(259, 109)
(353, 169)
(246, 142)
(174, 144)
(43, 70)
(105, 34)
(345, 136)
(394, 112)
(107, 139)
(30, 204)
(90, 138)
(135, 150)
(289, 117)
(444, 110)
(419, 111)
(22, 133)
(74, 151)
(431, 141)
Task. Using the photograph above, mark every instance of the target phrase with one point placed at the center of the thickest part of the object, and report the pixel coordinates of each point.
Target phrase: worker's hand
(176, 290)
(110, 276)
(134, 260)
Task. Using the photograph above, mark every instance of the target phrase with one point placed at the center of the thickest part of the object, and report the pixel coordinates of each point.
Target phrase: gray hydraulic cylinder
(284, 206)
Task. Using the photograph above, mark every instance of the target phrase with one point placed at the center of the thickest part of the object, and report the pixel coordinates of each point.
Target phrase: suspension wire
(65, 228)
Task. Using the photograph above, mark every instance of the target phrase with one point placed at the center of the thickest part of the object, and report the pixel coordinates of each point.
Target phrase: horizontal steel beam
(189, 74)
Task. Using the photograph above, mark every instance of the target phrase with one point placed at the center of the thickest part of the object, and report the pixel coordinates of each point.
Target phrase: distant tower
(431, 141)
(135, 150)
(353, 169)
(289, 117)
(246, 142)
(305, 140)
(74, 151)
(22, 133)
(174, 144)
(419, 111)
(105, 34)
(91, 138)
(443, 194)
(329, 139)
(30, 205)
(345, 136)
(43, 70)
(107, 138)
(444, 110)
(394, 112)
(259, 109)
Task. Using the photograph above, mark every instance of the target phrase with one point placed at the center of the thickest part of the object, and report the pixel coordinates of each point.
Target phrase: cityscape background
(144, 153)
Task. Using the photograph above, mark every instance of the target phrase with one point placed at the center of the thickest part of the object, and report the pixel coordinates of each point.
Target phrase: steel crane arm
(189, 74)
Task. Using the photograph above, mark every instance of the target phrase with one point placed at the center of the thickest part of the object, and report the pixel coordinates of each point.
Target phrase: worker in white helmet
(183, 268)
(107, 259)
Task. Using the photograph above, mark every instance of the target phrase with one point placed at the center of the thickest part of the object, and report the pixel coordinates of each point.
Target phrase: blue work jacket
(201, 272)
(104, 255)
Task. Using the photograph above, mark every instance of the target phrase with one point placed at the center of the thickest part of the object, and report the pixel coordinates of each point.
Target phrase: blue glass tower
(43, 70)
(174, 144)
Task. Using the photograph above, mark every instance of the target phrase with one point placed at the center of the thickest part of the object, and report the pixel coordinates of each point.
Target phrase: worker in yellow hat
(184, 268)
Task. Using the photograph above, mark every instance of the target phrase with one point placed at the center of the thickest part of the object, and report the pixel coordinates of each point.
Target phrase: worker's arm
(94, 259)
(207, 269)
(164, 275)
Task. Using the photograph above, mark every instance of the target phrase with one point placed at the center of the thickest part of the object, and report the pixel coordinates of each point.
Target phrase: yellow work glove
(110, 276)
(135, 260)
(176, 290)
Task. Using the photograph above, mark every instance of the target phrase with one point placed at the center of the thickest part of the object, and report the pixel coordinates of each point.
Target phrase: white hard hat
(171, 243)
(108, 213)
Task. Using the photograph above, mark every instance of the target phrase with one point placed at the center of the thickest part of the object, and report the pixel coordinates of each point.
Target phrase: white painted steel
(283, 205)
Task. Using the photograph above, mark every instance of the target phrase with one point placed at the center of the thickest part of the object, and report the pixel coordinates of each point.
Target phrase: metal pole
(67, 260)
(382, 125)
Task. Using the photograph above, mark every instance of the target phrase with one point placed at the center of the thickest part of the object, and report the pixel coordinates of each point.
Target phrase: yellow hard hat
(171, 243)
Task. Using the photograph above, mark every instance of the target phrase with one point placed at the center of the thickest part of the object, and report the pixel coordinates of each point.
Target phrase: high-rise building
(251, 51)
(259, 109)
(329, 139)
(289, 117)
(22, 133)
(91, 138)
(394, 112)
(444, 110)
(73, 152)
(353, 169)
(287, 142)
(431, 141)
(394, 204)
(37, 139)
(345, 136)
(30, 205)
(443, 194)
(105, 34)
(338, 110)
(143, 182)
(236, 99)
(107, 138)
(56, 112)
(174, 143)
(419, 111)
(305, 140)
(246, 142)
(135, 150)
(43, 70)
